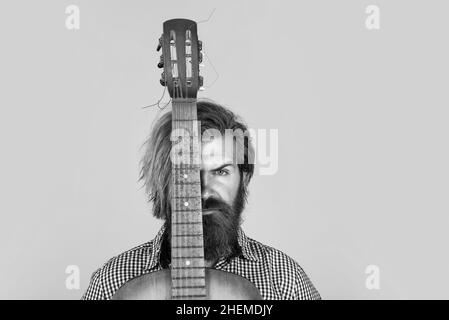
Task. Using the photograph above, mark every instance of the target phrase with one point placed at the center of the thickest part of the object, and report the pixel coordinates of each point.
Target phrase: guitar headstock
(181, 58)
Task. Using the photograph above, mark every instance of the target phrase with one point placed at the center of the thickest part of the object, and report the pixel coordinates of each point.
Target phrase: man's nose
(206, 186)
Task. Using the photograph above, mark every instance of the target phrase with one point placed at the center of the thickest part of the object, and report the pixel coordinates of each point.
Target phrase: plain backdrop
(361, 115)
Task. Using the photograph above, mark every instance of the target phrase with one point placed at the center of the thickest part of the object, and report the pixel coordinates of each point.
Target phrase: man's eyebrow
(223, 166)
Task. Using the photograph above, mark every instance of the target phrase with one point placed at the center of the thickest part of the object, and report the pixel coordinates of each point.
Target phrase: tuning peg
(159, 46)
(200, 45)
(200, 57)
(161, 62)
(162, 80)
(200, 83)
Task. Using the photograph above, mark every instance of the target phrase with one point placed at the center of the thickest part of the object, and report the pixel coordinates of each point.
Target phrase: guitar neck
(187, 245)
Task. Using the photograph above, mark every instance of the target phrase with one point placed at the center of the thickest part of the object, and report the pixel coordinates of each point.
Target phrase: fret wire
(187, 210)
(188, 183)
(187, 247)
(182, 221)
(187, 197)
(185, 120)
(186, 166)
(196, 222)
(187, 287)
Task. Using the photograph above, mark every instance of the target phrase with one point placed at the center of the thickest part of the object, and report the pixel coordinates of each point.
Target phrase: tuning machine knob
(161, 62)
(200, 45)
(200, 83)
(162, 80)
(159, 46)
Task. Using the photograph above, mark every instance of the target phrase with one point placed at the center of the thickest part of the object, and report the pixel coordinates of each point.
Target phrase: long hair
(156, 165)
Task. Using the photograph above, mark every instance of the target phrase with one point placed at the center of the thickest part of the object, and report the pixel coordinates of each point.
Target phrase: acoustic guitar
(187, 278)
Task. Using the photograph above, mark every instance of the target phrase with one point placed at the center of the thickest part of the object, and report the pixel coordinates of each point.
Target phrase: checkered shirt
(276, 275)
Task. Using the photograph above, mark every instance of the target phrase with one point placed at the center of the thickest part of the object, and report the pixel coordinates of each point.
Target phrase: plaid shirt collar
(155, 250)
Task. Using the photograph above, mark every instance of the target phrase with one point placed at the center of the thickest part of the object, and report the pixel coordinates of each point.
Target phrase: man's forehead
(217, 152)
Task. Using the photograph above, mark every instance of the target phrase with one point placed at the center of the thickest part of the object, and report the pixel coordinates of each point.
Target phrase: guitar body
(220, 285)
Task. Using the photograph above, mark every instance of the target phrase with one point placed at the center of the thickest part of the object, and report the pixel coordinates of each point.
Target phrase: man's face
(223, 200)
(220, 177)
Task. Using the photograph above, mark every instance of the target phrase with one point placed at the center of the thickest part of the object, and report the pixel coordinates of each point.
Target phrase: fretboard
(187, 246)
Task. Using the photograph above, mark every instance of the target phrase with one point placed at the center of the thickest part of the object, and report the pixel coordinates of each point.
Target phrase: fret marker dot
(188, 263)
(186, 204)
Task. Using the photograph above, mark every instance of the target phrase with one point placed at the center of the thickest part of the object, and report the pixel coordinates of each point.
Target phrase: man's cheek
(228, 193)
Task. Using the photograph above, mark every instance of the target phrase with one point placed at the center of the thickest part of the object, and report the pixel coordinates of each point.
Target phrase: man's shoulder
(266, 252)
(131, 258)
(285, 271)
(119, 269)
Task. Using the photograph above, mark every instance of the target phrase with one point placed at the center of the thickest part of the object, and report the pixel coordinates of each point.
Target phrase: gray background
(362, 119)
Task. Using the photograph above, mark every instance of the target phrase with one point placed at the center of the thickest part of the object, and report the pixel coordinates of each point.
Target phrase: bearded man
(224, 191)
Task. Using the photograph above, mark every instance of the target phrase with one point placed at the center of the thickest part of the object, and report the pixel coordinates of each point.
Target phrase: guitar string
(176, 241)
(158, 103)
(185, 273)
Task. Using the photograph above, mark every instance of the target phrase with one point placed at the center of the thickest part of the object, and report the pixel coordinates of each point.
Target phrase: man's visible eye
(222, 172)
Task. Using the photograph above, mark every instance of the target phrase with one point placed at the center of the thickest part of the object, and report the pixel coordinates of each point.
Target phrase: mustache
(216, 204)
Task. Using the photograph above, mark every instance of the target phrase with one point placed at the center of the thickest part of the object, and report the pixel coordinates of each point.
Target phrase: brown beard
(220, 228)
